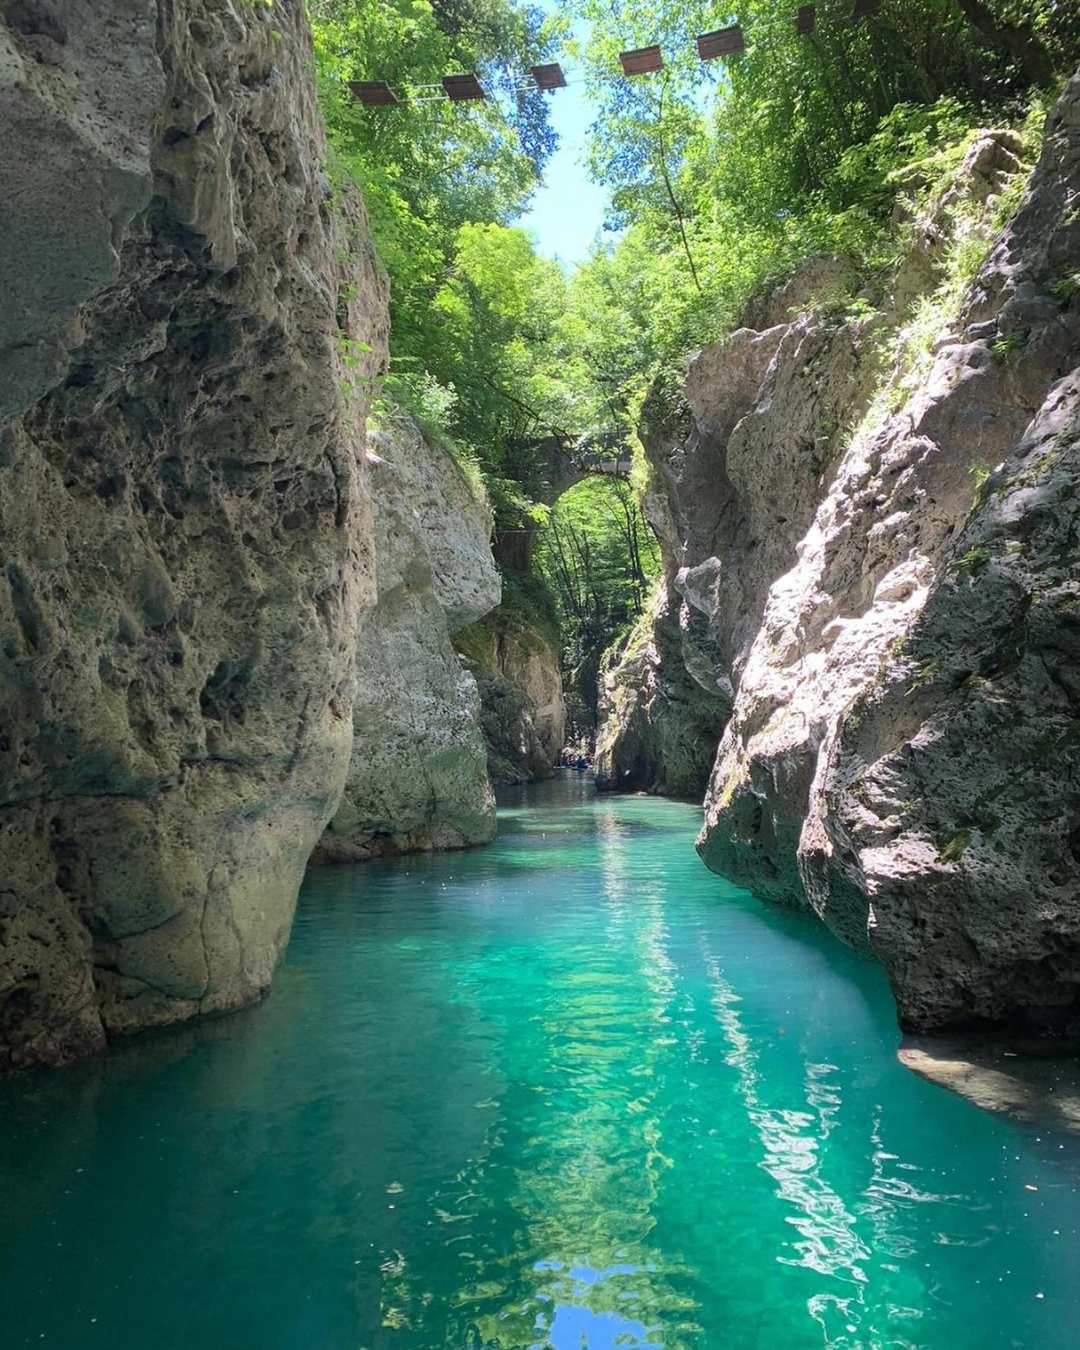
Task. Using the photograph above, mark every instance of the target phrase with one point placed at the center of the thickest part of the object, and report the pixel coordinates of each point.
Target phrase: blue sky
(567, 209)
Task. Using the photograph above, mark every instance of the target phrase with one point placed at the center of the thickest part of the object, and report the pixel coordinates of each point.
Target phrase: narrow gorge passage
(539, 696)
(565, 1090)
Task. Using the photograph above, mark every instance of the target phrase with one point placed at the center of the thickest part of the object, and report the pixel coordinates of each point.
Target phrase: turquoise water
(568, 1091)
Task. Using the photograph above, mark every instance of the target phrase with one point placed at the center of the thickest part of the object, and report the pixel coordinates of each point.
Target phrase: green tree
(599, 558)
(430, 169)
(722, 177)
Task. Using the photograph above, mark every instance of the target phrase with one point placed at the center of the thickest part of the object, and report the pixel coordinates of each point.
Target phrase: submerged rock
(186, 544)
(1011, 1078)
(418, 777)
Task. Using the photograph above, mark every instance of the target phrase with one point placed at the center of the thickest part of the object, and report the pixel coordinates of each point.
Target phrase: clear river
(567, 1091)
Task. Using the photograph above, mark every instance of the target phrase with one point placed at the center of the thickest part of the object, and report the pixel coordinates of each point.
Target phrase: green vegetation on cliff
(725, 176)
(722, 177)
(599, 558)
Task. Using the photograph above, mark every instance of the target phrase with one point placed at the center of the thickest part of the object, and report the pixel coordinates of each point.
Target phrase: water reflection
(567, 1091)
(790, 1141)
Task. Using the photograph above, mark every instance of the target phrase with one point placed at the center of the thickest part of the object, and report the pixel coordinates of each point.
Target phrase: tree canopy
(599, 559)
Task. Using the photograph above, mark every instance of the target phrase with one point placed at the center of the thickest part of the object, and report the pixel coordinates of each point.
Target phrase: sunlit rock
(418, 777)
(902, 753)
(194, 325)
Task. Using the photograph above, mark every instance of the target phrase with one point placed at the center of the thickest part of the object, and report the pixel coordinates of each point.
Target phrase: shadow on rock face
(1030, 1082)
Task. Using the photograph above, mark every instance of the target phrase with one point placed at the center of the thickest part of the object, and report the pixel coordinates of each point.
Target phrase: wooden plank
(641, 61)
(460, 88)
(724, 42)
(550, 76)
(373, 93)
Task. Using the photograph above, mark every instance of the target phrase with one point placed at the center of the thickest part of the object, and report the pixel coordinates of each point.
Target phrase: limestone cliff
(872, 509)
(658, 726)
(186, 540)
(418, 777)
(523, 711)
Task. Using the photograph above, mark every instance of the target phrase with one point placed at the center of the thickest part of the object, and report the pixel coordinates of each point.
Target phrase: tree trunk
(1018, 39)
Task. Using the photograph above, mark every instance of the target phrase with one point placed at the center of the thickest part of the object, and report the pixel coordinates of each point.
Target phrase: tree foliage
(599, 558)
(442, 182)
(722, 177)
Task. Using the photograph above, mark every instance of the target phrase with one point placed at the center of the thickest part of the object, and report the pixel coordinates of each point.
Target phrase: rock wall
(523, 711)
(531, 664)
(658, 726)
(665, 700)
(418, 777)
(879, 570)
(185, 536)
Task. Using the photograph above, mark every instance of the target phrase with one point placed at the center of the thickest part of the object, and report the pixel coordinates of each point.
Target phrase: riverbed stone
(1013, 1078)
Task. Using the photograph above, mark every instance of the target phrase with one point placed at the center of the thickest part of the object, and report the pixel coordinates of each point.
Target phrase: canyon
(250, 616)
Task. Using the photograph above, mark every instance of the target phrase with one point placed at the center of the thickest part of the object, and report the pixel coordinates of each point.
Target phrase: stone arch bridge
(564, 465)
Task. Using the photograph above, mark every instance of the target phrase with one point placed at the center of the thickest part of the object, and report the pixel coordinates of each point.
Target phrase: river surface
(568, 1091)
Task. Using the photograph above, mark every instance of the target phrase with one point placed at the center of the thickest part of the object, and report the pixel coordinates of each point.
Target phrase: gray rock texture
(664, 704)
(418, 776)
(902, 752)
(523, 712)
(869, 520)
(526, 659)
(185, 542)
(658, 726)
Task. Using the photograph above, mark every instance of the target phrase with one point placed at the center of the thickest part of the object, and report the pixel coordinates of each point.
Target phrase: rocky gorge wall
(870, 531)
(225, 611)
(522, 708)
(194, 324)
(418, 777)
(657, 724)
